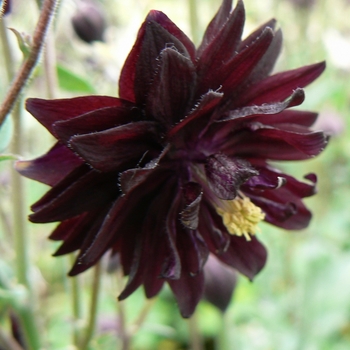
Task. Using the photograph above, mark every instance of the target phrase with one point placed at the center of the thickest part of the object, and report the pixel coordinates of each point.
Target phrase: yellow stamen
(241, 216)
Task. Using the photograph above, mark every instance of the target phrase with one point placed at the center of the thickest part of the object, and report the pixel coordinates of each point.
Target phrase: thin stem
(27, 314)
(142, 316)
(76, 305)
(195, 337)
(28, 65)
(93, 308)
(193, 12)
(50, 65)
(7, 52)
(123, 332)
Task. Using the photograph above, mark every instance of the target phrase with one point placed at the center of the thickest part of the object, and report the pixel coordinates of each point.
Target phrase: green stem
(195, 337)
(193, 12)
(28, 65)
(93, 308)
(7, 52)
(76, 305)
(26, 313)
(50, 65)
(123, 331)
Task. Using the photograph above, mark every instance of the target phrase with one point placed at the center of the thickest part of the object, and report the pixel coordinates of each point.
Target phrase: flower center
(241, 216)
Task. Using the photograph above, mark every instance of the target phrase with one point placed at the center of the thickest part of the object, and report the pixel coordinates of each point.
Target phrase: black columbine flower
(178, 166)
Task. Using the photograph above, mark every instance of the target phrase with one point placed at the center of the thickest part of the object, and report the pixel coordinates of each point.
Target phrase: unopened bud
(89, 22)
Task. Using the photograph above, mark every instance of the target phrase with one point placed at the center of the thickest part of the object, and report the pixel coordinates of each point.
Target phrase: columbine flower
(178, 165)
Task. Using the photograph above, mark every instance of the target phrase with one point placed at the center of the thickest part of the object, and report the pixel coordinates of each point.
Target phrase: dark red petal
(120, 215)
(97, 120)
(82, 232)
(248, 257)
(122, 146)
(52, 167)
(127, 76)
(170, 94)
(220, 44)
(220, 282)
(212, 229)
(171, 27)
(155, 40)
(310, 143)
(282, 208)
(273, 108)
(200, 117)
(192, 193)
(254, 35)
(81, 191)
(302, 118)
(188, 291)
(216, 24)
(66, 228)
(225, 175)
(47, 112)
(236, 71)
(266, 64)
(279, 86)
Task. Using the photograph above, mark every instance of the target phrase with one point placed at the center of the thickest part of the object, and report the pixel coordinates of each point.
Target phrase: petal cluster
(150, 175)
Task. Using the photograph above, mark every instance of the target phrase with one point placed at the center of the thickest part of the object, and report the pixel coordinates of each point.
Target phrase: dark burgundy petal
(216, 24)
(52, 167)
(94, 121)
(310, 143)
(212, 230)
(225, 175)
(302, 118)
(81, 191)
(273, 108)
(200, 117)
(122, 146)
(66, 228)
(83, 231)
(192, 193)
(282, 208)
(220, 282)
(119, 216)
(47, 112)
(242, 65)
(174, 30)
(188, 291)
(170, 94)
(253, 36)
(279, 86)
(155, 40)
(266, 64)
(248, 257)
(220, 44)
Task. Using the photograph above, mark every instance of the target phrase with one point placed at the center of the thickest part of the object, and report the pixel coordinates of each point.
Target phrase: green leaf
(69, 81)
(8, 157)
(23, 42)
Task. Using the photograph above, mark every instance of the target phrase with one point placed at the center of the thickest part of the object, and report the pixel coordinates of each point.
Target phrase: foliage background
(301, 300)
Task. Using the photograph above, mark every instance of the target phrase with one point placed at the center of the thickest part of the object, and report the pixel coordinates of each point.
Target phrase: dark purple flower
(179, 166)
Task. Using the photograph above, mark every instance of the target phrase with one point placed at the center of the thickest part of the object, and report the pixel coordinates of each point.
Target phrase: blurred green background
(301, 300)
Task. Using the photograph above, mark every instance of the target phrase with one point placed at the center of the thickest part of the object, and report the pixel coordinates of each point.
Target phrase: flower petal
(279, 86)
(220, 282)
(225, 175)
(170, 95)
(192, 193)
(122, 146)
(188, 291)
(155, 40)
(47, 112)
(128, 73)
(221, 40)
(52, 167)
(94, 121)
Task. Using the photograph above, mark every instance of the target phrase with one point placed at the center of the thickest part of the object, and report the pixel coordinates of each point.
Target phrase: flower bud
(89, 22)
